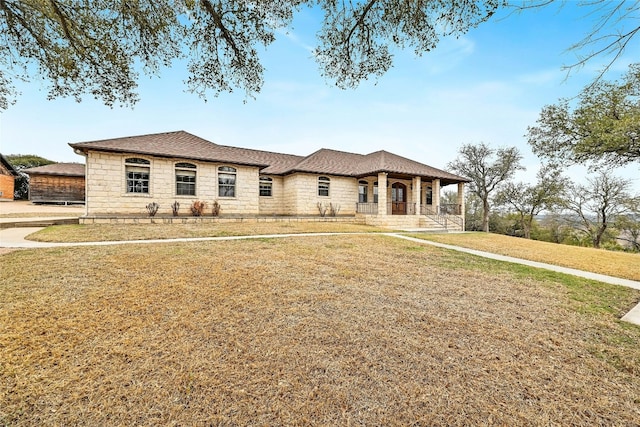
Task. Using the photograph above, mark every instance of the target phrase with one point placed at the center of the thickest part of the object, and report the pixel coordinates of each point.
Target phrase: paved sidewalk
(15, 238)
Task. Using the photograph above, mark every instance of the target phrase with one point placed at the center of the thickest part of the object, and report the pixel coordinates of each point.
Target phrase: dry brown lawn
(613, 263)
(339, 330)
(116, 232)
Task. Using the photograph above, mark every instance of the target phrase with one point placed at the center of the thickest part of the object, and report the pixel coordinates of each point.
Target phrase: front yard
(324, 330)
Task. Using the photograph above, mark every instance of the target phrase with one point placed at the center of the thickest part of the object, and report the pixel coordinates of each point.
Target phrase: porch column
(435, 185)
(461, 201)
(416, 193)
(382, 193)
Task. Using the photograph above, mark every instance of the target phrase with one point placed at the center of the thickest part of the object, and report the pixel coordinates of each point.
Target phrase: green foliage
(603, 127)
(25, 161)
(96, 47)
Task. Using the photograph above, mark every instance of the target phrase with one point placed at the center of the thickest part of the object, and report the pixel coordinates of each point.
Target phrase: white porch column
(461, 201)
(435, 185)
(382, 193)
(416, 193)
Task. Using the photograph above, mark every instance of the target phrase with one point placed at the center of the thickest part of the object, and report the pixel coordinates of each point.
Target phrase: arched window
(226, 181)
(266, 186)
(137, 172)
(363, 189)
(323, 186)
(185, 179)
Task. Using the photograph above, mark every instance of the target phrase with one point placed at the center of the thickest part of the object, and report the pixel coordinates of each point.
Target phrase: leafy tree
(488, 169)
(94, 46)
(25, 161)
(603, 127)
(527, 200)
(597, 204)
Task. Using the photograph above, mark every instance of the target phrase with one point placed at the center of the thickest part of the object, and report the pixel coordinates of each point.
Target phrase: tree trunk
(485, 215)
(527, 222)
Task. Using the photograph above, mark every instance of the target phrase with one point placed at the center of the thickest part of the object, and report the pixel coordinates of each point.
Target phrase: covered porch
(409, 200)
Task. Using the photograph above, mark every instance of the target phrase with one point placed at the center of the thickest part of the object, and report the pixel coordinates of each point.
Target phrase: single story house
(8, 176)
(123, 175)
(57, 183)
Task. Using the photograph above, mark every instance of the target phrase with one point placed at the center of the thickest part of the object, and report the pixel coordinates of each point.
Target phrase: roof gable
(181, 144)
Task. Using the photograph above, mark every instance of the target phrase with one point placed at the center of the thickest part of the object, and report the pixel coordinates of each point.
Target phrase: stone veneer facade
(294, 194)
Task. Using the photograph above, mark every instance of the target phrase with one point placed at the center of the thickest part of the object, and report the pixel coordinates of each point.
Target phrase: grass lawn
(612, 263)
(115, 232)
(324, 330)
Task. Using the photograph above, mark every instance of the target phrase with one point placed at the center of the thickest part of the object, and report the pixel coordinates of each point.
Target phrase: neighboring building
(125, 174)
(8, 176)
(57, 183)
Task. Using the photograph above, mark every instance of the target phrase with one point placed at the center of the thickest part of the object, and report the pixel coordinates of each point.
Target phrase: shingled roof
(64, 169)
(184, 145)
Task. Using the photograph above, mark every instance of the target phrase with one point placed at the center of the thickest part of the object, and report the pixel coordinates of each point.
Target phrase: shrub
(215, 208)
(175, 207)
(152, 209)
(322, 209)
(334, 209)
(198, 207)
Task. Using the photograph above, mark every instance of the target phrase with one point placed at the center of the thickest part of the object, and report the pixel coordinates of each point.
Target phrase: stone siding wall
(107, 186)
(274, 204)
(301, 194)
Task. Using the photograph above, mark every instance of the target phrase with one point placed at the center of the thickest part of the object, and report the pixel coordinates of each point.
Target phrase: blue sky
(486, 86)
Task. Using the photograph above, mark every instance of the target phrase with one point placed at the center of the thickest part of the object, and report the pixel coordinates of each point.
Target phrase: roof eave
(86, 149)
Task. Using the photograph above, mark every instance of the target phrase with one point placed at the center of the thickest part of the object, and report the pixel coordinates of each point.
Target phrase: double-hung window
(185, 179)
(226, 181)
(375, 192)
(266, 186)
(137, 173)
(363, 188)
(323, 186)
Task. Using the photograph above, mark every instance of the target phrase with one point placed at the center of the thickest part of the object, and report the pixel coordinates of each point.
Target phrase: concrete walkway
(15, 238)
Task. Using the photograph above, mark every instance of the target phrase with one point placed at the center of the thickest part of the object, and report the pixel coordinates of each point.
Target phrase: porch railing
(447, 209)
(444, 216)
(393, 208)
(367, 208)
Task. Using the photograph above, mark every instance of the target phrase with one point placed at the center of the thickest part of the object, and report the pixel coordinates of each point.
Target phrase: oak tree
(604, 126)
(597, 204)
(488, 169)
(529, 200)
(97, 47)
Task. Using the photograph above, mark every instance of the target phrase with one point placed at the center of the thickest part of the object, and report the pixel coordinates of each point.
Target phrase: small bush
(215, 208)
(152, 209)
(322, 209)
(175, 207)
(334, 209)
(198, 207)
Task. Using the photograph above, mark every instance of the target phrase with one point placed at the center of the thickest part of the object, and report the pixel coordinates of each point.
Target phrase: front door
(398, 199)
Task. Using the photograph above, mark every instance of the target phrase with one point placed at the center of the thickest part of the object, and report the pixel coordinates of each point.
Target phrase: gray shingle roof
(184, 145)
(65, 169)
